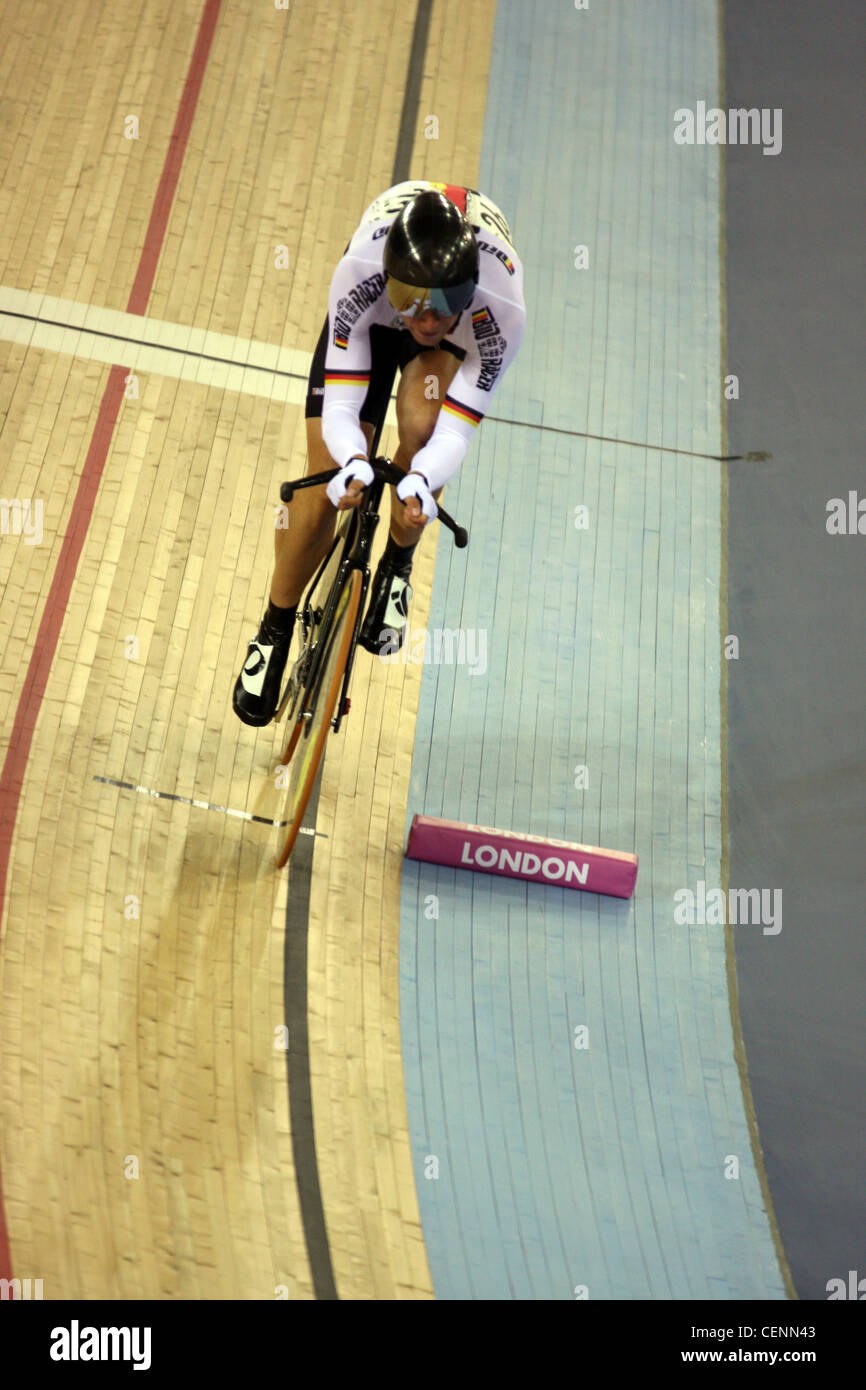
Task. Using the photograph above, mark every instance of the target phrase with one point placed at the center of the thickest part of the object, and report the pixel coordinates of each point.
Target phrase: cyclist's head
(431, 257)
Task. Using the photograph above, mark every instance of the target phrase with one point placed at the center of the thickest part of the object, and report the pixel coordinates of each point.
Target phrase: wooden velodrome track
(147, 1145)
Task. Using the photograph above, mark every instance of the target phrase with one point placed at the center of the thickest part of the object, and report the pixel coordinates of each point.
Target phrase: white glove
(413, 485)
(355, 469)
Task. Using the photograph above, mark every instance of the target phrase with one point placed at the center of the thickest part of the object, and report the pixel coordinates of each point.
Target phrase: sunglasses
(444, 301)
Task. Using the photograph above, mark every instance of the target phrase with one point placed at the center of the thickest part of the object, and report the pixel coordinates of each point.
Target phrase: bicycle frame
(358, 558)
(358, 543)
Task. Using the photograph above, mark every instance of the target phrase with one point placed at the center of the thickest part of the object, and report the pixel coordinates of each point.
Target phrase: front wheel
(307, 743)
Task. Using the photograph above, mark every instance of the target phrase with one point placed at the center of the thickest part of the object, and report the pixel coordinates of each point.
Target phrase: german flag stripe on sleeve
(347, 378)
(463, 412)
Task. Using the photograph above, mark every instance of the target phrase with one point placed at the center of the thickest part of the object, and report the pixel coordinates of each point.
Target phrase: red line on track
(33, 690)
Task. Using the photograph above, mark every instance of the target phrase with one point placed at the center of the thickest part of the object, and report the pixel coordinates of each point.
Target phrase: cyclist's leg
(416, 419)
(298, 551)
(301, 547)
(386, 619)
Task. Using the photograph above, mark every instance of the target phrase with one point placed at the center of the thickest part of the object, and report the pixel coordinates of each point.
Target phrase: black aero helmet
(431, 257)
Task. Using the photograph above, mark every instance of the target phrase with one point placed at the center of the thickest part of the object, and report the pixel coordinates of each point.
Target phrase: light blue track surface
(602, 1166)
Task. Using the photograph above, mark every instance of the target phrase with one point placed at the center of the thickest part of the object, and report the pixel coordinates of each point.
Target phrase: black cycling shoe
(257, 689)
(385, 623)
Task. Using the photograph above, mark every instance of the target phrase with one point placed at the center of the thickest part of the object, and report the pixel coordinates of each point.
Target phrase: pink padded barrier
(533, 857)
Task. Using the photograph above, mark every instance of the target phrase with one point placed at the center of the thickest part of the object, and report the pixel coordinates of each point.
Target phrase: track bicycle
(330, 618)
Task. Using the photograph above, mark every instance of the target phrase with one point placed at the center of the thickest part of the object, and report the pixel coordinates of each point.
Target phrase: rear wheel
(307, 742)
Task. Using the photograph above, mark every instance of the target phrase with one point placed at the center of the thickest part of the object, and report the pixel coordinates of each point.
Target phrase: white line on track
(202, 805)
(155, 346)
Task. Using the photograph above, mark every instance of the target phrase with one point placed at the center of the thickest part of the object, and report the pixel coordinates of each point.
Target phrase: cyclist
(430, 282)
